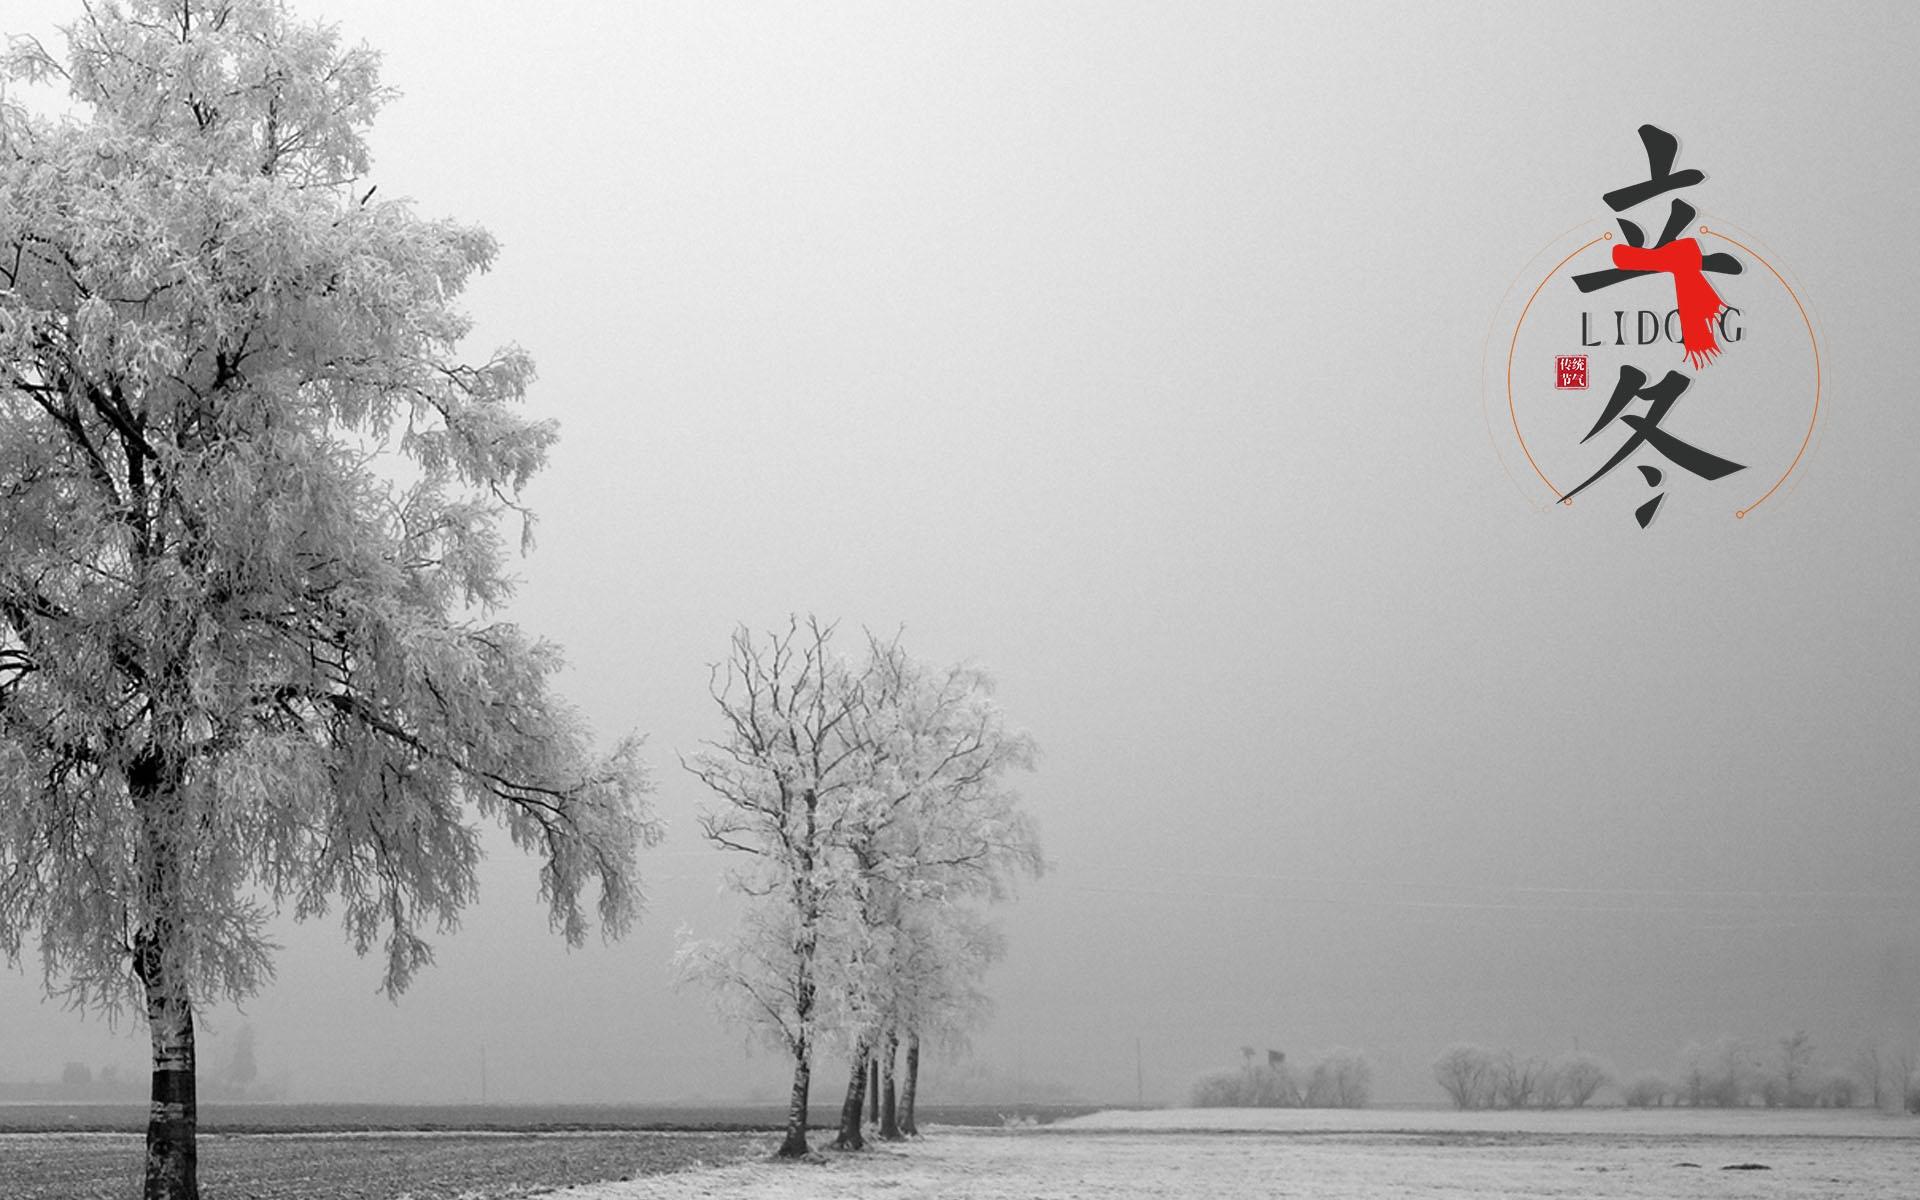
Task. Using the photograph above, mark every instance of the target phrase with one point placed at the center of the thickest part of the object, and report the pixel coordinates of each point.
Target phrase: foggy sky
(1135, 352)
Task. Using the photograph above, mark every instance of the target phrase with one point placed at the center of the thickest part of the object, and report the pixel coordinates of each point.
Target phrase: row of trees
(1788, 1072)
(1728, 1072)
(866, 801)
(1478, 1077)
(1341, 1078)
(250, 567)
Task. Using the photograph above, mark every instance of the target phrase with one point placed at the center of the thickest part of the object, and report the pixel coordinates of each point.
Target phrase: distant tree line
(1478, 1077)
(1728, 1072)
(1342, 1078)
(1789, 1072)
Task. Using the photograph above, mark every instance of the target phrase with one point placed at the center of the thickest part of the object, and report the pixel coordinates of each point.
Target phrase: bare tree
(1254, 1084)
(789, 775)
(1788, 1084)
(1835, 1089)
(1342, 1078)
(1646, 1090)
(1868, 1070)
(1466, 1074)
(1516, 1081)
(1720, 1075)
(1574, 1078)
(1907, 1071)
(1695, 1076)
(868, 799)
(938, 828)
(941, 997)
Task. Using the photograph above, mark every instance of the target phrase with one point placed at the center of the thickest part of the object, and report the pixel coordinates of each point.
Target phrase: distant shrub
(1341, 1079)
(1726, 1074)
(1467, 1074)
(1251, 1086)
(1836, 1089)
(1478, 1077)
(1735, 1072)
(1645, 1090)
(1520, 1082)
(1572, 1079)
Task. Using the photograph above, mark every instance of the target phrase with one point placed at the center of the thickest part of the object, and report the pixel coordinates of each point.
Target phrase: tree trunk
(911, 1087)
(795, 1145)
(850, 1138)
(889, 1113)
(873, 1091)
(173, 1113)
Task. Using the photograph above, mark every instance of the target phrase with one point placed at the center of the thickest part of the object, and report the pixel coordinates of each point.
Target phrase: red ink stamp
(1570, 371)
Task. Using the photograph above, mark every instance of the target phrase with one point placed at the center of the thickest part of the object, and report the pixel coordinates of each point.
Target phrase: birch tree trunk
(795, 1143)
(889, 1114)
(173, 1113)
(911, 1087)
(850, 1138)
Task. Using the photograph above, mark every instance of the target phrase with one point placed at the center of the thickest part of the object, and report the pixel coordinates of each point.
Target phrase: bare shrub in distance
(1722, 1075)
(1342, 1079)
(1574, 1078)
(1253, 1085)
(1836, 1089)
(1645, 1090)
(1466, 1073)
(1517, 1082)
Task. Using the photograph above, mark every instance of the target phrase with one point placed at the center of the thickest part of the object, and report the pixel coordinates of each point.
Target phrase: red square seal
(1570, 371)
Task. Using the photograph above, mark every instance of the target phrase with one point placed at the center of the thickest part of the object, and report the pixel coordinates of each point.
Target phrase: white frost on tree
(786, 775)
(241, 669)
(867, 802)
(941, 830)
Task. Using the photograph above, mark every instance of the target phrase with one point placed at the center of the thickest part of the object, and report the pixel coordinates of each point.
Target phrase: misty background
(1135, 352)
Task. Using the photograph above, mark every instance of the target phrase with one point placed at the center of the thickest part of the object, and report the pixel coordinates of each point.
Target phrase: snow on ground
(1601, 1154)
(1562, 1122)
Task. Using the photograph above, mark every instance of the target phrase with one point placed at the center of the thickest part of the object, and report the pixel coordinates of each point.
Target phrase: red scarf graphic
(1699, 304)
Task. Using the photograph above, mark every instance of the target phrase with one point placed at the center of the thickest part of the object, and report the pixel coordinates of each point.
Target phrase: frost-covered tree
(1468, 1074)
(1573, 1078)
(788, 775)
(1517, 1081)
(865, 797)
(1645, 1090)
(1724, 1074)
(940, 995)
(939, 827)
(243, 1068)
(1342, 1078)
(249, 564)
(1867, 1067)
(1255, 1084)
(1793, 1064)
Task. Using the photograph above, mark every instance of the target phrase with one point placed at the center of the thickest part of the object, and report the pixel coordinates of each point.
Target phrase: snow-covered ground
(1562, 1122)
(1603, 1154)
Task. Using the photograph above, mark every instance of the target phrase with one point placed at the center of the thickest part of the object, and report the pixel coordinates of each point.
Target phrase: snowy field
(1643, 1155)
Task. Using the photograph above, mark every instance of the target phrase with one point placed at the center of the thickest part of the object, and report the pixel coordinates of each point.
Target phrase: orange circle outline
(1812, 338)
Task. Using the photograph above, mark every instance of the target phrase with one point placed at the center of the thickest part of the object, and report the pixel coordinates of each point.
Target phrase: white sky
(1135, 352)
